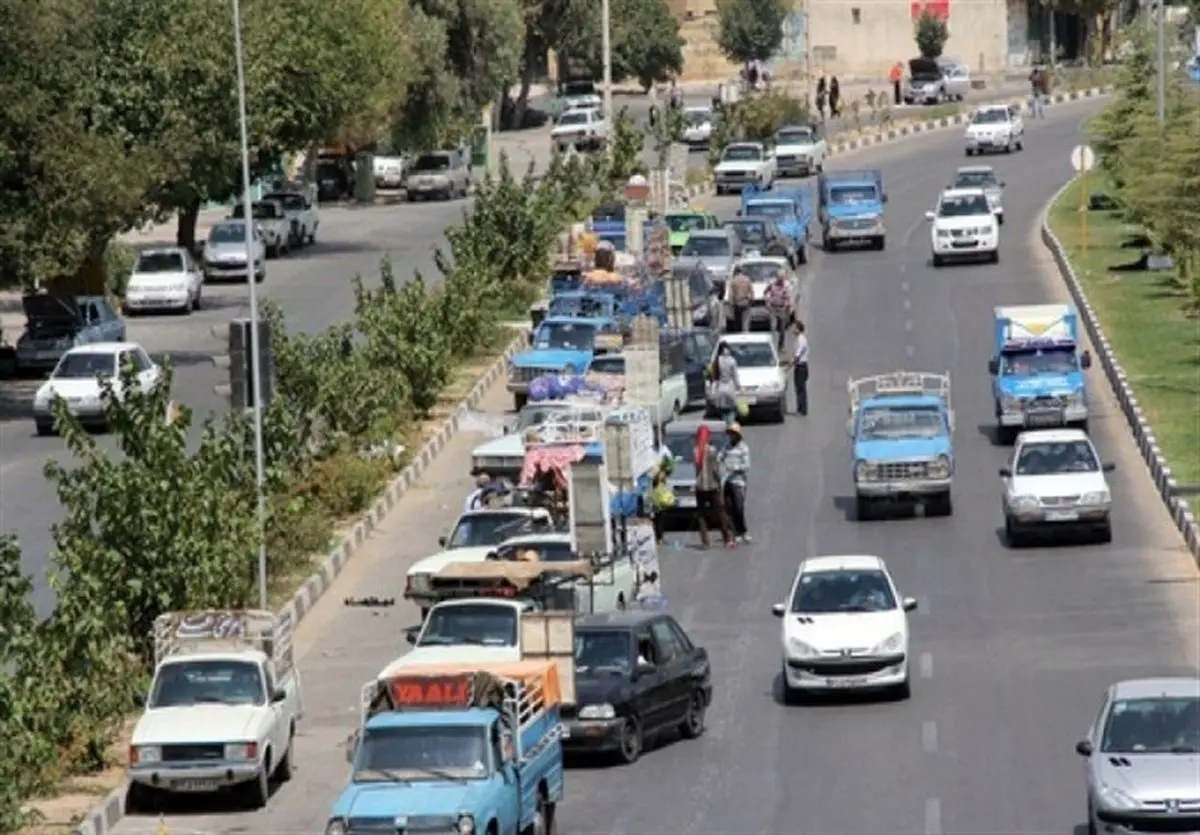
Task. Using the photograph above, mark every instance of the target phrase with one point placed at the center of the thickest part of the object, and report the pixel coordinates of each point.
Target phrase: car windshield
(975, 179)
(260, 211)
(834, 592)
(217, 681)
(706, 246)
(697, 117)
(686, 223)
(750, 231)
(602, 651)
(81, 366)
(574, 89)
(481, 624)
(582, 306)
(752, 354)
(1050, 458)
(800, 136)
(159, 262)
(848, 195)
(227, 233)
(989, 117)
(770, 208)
(412, 753)
(476, 530)
(608, 365)
(1156, 725)
(964, 206)
(683, 444)
(432, 162)
(1057, 361)
(881, 423)
(742, 153)
(569, 336)
(760, 271)
(573, 117)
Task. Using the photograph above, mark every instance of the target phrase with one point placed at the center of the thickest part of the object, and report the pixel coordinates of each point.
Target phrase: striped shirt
(737, 463)
(801, 355)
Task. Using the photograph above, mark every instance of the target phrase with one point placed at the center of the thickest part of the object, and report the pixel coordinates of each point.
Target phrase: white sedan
(996, 127)
(845, 627)
(964, 226)
(164, 279)
(77, 380)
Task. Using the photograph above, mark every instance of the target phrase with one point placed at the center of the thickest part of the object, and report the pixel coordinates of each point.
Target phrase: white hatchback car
(77, 380)
(964, 226)
(845, 627)
(996, 127)
(762, 384)
(1055, 481)
(164, 279)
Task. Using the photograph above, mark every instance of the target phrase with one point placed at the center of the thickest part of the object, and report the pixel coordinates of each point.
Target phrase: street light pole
(1162, 61)
(255, 347)
(606, 48)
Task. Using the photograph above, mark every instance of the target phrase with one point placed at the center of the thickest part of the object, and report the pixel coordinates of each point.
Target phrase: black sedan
(637, 675)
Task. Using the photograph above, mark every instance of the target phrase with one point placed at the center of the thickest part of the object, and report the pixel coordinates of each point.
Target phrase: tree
(751, 30)
(930, 33)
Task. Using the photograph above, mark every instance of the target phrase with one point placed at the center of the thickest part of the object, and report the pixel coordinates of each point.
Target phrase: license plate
(686, 502)
(846, 682)
(1044, 419)
(1061, 515)
(196, 785)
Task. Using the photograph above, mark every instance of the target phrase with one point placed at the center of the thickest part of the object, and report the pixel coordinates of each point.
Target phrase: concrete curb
(106, 814)
(1143, 434)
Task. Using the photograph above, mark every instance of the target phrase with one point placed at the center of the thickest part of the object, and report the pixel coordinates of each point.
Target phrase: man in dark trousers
(800, 368)
(896, 77)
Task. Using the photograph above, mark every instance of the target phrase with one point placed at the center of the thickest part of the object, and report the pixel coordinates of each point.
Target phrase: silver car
(984, 177)
(443, 174)
(716, 250)
(225, 253)
(1143, 758)
(956, 78)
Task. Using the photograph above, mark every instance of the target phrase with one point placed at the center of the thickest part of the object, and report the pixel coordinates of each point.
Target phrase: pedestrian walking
(835, 98)
(724, 386)
(1038, 86)
(800, 367)
(896, 76)
(741, 297)
(779, 306)
(735, 460)
(709, 500)
(822, 96)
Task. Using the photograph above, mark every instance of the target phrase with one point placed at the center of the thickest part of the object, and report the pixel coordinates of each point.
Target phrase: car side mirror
(993, 366)
(352, 742)
(411, 634)
(1109, 467)
(850, 427)
(442, 541)
(885, 198)
(909, 604)
(779, 610)
(645, 668)
(1084, 748)
(278, 696)
(930, 215)
(1005, 472)
(1085, 359)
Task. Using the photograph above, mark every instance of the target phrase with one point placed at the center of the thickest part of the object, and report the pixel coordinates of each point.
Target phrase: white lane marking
(907, 304)
(929, 737)
(908, 326)
(925, 664)
(903, 284)
(933, 816)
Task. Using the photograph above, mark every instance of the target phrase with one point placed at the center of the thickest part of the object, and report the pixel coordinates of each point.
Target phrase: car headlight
(893, 643)
(337, 826)
(241, 750)
(147, 754)
(773, 387)
(419, 583)
(861, 469)
(943, 233)
(1025, 502)
(1100, 497)
(940, 468)
(1116, 799)
(1010, 403)
(466, 824)
(1076, 399)
(600, 711)
(799, 649)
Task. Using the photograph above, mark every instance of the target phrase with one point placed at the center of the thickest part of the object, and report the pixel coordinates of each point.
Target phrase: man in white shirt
(476, 499)
(800, 368)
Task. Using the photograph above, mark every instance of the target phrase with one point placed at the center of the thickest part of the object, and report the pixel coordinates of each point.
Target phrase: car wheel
(44, 428)
(258, 791)
(196, 299)
(778, 415)
(692, 726)
(791, 695)
(864, 508)
(902, 692)
(970, 153)
(938, 260)
(1104, 534)
(140, 799)
(802, 254)
(994, 257)
(676, 411)
(1012, 537)
(629, 748)
(287, 766)
(940, 505)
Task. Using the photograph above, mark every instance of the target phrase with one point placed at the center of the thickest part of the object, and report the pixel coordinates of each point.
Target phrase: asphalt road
(313, 289)
(1011, 650)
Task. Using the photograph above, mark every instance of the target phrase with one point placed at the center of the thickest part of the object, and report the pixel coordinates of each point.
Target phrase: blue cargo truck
(790, 208)
(850, 208)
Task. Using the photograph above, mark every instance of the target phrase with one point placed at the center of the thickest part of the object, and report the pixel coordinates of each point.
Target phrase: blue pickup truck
(850, 208)
(456, 750)
(1038, 378)
(902, 425)
(561, 344)
(790, 208)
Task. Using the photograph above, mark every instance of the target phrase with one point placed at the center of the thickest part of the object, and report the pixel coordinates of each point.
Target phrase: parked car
(583, 129)
(389, 171)
(697, 127)
(166, 278)
(335, 178)
(926, 84)
(637, 675)
(443, 174)
(956, 78)
(301, 211)
(77, 380)
(54, 324)
(272, 221)
(225, 253)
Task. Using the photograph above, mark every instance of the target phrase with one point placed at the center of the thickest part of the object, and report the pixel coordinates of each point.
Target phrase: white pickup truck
(672, 388)
(274, 223)
(584, 129)
(300, 207)
(222, 709)
(744, 164)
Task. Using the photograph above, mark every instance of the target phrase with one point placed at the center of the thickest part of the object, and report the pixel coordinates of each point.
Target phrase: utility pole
(1162, 61)
(606, 48)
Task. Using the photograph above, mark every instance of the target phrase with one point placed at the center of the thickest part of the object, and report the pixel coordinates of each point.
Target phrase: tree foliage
(751, 30)
(930, 33)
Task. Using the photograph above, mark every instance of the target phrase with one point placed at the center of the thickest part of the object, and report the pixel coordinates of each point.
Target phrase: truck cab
(682, 224)
(456, 749)
(559, 344)
(850, 208)
(902, 426)
(1038, 379)
(791, 209)
(272, 219)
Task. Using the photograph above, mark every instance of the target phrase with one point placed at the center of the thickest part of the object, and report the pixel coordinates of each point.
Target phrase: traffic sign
(1083, 158)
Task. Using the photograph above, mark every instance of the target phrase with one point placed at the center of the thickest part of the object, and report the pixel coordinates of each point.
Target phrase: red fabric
(938, 8)
(553, 459)
(703, 434)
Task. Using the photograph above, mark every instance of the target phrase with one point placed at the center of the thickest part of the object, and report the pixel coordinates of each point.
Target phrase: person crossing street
(800, 367)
